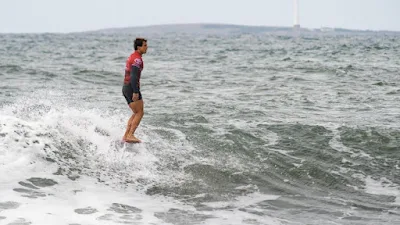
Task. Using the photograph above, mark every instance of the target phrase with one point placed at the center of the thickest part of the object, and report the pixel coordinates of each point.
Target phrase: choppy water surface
(238, 129)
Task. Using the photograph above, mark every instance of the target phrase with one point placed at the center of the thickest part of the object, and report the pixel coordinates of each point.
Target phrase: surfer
(131, 88)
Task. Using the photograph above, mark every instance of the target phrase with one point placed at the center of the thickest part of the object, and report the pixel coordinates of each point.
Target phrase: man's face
(143, 49)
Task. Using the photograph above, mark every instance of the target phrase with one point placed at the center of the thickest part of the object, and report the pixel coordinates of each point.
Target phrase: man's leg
(128, 127)
(127, 93)
(137, 108)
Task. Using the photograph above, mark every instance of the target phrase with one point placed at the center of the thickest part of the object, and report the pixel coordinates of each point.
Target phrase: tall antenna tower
(296, 24)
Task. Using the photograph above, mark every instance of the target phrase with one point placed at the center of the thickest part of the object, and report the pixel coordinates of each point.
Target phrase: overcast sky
(82, 15)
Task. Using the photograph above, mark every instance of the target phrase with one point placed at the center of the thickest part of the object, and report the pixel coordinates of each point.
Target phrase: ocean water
(239, 128)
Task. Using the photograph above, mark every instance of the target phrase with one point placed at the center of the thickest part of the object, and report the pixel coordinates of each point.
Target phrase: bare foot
(136, 139)
(131, 140)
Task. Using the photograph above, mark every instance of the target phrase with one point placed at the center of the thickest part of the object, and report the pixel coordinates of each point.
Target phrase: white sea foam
(383, 186)
(61, 202)
(27, 143)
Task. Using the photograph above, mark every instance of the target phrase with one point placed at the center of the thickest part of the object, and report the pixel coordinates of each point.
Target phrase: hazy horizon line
(202, 24)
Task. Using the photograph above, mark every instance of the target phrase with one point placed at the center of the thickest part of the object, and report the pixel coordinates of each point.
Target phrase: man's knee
(140, 110)
(140, 113)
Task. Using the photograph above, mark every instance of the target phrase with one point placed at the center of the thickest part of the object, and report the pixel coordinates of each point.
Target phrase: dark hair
(138, 42)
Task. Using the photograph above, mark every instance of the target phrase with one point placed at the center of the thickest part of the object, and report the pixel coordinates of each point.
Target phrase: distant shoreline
(220, 28)
(243, 28)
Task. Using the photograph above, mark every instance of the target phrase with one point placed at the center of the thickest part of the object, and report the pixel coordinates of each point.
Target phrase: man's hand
(135, 97)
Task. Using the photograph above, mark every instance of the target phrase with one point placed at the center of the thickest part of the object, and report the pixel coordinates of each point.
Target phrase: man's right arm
(134, 78)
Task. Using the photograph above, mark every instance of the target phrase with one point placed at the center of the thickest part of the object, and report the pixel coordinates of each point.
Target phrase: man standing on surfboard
(131, 88)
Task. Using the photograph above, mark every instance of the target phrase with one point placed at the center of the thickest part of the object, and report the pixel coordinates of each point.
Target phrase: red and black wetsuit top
(133, 70)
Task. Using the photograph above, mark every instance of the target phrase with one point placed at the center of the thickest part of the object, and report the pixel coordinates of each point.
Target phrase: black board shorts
(127, 91)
